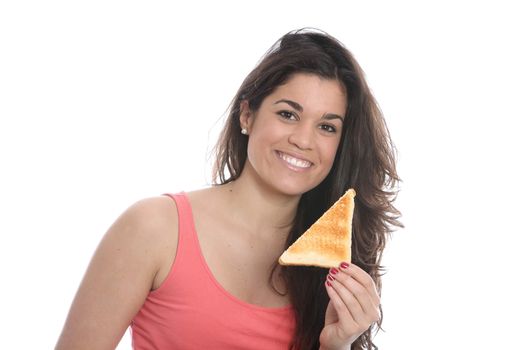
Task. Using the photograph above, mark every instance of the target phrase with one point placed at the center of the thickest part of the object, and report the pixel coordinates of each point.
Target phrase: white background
(103, 103)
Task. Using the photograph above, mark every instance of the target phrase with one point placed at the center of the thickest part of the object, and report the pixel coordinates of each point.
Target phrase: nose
(302, 136)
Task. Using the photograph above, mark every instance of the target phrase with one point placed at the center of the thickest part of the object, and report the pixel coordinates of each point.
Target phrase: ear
(245, 115)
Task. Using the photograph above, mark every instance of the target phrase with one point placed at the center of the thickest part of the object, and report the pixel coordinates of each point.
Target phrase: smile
(294, 162)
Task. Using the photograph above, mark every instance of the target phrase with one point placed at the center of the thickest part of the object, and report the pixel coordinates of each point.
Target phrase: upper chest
(241, 263)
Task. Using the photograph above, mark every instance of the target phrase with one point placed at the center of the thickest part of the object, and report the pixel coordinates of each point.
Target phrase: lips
(293, 161)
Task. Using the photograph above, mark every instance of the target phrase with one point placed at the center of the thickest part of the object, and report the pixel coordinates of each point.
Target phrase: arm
(120, 275)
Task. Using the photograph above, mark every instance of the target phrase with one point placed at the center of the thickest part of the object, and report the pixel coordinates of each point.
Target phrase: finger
(350, 301)
(353, 292)
(363, 278)
(345, 317)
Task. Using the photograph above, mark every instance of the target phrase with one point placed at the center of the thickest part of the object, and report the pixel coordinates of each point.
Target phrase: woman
(199, 270)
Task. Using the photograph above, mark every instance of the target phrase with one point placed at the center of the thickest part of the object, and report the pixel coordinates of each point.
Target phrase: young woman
(199, 270)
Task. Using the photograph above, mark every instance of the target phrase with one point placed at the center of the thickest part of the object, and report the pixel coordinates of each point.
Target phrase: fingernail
(333, 271)
(331, 278)
(344, 265)
(328, 283)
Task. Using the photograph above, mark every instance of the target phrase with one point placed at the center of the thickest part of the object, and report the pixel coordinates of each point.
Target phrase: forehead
(313, 93)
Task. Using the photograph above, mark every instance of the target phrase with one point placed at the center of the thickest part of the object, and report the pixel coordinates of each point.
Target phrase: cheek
(329, 151)
(264, 135)
(328, 157)
(258, 144)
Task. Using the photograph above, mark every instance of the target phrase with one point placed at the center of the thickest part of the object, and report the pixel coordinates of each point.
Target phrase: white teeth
(294, 161)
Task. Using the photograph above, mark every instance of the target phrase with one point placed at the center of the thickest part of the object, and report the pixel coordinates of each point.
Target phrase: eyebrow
(298, 107)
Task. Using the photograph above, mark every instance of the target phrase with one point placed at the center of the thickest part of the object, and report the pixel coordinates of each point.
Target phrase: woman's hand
(353, 306)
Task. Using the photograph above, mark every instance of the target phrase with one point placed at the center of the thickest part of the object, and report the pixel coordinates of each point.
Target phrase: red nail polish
(333, 271)
(331, 278)
(328, 283)
(344, 265)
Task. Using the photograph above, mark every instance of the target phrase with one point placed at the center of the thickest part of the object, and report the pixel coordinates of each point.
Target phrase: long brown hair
(365, 160)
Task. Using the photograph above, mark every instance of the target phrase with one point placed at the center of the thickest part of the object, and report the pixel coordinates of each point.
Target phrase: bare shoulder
(153, 215)
(151, 225)
(159, 208)
(149, 222)
(122, 272)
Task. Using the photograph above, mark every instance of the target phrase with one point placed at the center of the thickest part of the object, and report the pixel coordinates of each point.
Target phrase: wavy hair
(365, 161)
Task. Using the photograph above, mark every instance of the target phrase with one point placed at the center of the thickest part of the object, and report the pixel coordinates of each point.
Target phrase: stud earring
(244, 131)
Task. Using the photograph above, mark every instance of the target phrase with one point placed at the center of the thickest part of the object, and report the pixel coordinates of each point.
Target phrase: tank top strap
(188, 248)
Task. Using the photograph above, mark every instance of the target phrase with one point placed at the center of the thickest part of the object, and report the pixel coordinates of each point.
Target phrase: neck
(260, 209)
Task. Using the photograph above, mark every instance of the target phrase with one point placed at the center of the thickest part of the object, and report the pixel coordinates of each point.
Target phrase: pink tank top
(191, 310)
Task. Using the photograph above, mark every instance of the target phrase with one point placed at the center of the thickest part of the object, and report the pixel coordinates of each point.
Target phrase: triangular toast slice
(328, 241)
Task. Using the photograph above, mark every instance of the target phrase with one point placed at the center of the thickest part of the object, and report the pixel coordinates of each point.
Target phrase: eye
(287, 115)
(328, 128)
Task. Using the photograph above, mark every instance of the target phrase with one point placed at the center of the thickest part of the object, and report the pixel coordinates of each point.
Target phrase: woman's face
(293, 137)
